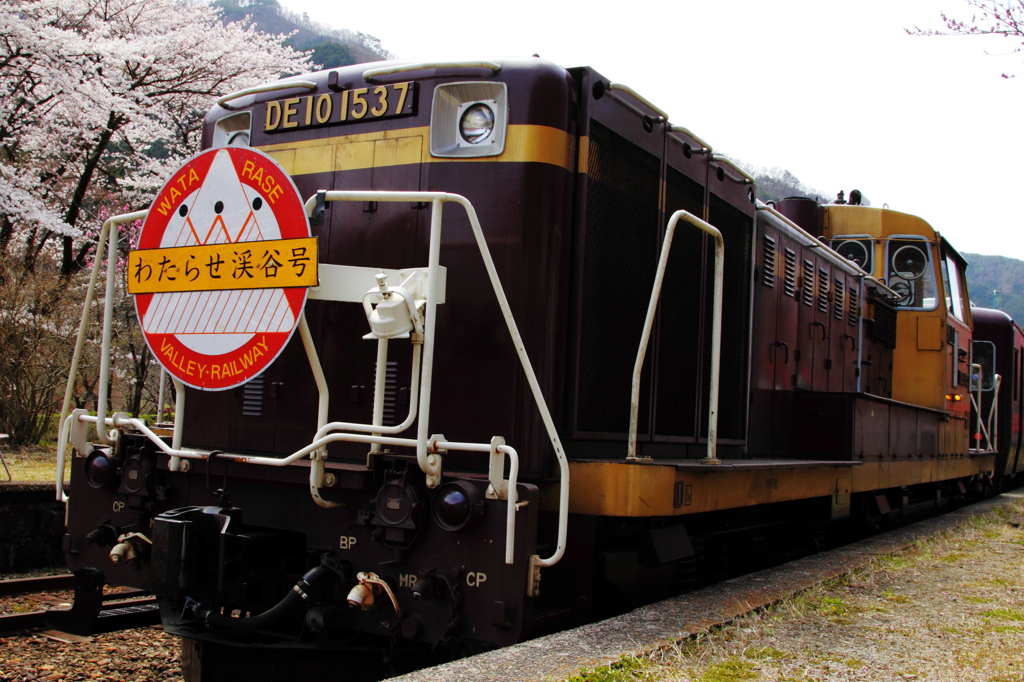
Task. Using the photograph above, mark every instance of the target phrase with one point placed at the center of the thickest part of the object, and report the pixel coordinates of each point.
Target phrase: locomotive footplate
(402, 563)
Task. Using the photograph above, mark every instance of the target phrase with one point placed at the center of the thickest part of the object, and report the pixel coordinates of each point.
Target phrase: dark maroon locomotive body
(574, 185)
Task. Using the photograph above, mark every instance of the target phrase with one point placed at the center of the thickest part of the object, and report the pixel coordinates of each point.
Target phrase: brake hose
(298, 594)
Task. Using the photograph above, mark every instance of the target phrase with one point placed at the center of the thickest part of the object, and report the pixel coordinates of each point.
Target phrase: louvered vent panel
(823, 291)
(839, 303)
(854, 306)
(252, 398)
(768, 266)
(621, 237)
(883, 328)
(789, 284)
(808, 284)
(677, 384)
(737, 231)
(390, 393)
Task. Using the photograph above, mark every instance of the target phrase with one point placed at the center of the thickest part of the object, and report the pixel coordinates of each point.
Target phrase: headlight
(469, 119)
(457, 504)
(477, 123)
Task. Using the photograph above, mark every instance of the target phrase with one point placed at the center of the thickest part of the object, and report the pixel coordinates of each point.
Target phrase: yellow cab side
(933, 341)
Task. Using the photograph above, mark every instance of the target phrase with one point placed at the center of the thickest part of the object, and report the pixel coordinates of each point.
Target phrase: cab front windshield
(911, 273)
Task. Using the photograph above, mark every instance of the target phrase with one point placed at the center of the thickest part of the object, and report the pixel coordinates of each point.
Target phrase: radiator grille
(679, 313)
(737, 233)
(854, 306)
(619, 257)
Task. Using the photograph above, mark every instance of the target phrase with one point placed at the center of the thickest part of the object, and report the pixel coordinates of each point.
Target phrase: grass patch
(833, 606)
(33, 464)
(893, 562)
(732, 669)
(627, 669)
(896, 598)
(769, 653)
(978, 600)
(952, 557)
(1004, 614)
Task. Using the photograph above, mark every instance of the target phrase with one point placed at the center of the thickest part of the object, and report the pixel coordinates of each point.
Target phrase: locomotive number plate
(336, 108)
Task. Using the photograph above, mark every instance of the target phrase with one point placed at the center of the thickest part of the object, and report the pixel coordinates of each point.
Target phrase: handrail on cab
(370, 74)
(745, 178)
(639, 98)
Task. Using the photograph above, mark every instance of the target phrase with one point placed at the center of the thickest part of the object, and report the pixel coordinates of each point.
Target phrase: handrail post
(976, 402)
(90, 291)
(716, 335)
(993, 416)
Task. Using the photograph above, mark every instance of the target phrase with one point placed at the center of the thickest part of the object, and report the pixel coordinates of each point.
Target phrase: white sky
(834, 92)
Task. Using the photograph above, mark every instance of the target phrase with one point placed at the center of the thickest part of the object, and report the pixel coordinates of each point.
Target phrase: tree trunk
(69, 264)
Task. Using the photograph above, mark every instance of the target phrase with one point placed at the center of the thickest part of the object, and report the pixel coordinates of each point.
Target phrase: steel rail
(123, 614)
(44, 583)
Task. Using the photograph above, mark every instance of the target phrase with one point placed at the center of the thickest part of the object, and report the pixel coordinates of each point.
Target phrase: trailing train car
(645, 378)
(996, 353)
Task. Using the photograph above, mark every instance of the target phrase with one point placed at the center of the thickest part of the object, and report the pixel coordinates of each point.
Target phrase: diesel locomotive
(558, 361)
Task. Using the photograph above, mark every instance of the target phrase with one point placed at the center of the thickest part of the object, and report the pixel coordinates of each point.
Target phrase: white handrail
(716, 334)
(80, 341)
(705, 147)
(639, 98)
(428, 461)
(745, 177)
(980, 431)
(993, 416)
(370, 74)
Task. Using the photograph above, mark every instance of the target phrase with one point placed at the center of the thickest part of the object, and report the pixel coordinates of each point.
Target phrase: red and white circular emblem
(217, 339)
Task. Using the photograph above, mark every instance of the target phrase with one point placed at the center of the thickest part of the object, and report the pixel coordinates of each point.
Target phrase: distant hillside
(331, 47)
(774, 184)
(997, 279)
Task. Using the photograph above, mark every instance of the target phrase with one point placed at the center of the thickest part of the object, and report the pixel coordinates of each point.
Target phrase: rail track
(118, 611)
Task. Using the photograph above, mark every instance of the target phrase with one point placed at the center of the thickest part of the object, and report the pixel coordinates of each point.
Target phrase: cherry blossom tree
(990, 18)
(100, 99)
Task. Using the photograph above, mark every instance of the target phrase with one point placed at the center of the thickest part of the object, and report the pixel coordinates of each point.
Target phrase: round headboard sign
(222, 269)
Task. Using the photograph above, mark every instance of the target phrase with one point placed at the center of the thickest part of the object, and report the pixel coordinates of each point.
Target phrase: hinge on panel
(533, 577)
(317, 218)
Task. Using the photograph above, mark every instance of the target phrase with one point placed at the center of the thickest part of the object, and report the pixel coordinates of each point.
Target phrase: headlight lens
(477, 123)
(457, 504)
(99, 468)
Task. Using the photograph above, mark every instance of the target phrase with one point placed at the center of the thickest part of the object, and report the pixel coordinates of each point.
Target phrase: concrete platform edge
(564, 654)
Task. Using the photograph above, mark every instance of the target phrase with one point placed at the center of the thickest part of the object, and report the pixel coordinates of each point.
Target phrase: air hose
(298, 594)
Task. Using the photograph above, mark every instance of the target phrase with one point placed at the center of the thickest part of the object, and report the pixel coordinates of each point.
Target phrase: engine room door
(370, 234)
